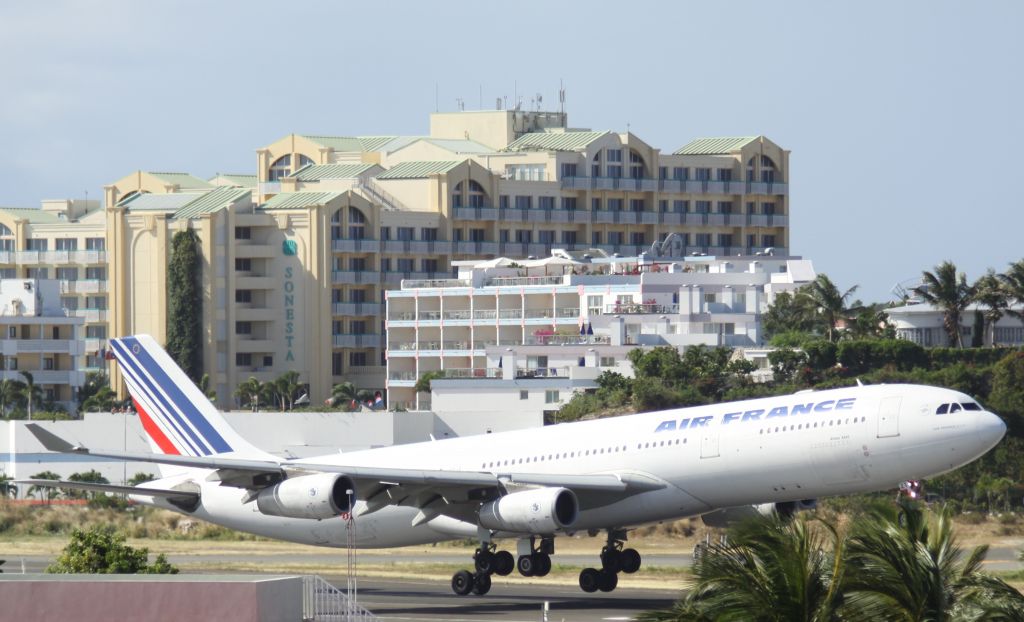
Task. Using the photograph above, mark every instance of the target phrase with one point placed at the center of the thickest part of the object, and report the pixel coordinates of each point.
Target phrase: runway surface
(412, 598)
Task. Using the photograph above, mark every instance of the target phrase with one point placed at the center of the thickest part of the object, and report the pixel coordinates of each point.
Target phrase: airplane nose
(990, 428)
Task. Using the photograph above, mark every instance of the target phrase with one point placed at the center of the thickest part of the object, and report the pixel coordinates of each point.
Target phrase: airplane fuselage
(771, 450)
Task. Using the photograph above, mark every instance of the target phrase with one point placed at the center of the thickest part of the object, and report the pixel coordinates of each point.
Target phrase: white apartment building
(39, 337)
(567, 318)
(922, 323)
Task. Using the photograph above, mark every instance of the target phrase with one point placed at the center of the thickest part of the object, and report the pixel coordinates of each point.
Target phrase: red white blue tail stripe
(178, 418)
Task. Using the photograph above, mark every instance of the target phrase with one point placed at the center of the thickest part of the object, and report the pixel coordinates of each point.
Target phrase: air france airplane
(721, 462)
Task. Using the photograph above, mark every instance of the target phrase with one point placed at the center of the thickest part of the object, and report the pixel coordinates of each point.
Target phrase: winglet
(52, 442)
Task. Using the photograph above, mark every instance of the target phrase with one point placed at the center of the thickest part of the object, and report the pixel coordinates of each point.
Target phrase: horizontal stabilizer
(178, 495)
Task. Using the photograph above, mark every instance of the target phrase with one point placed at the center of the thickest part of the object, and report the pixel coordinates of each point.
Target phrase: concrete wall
(99, 598)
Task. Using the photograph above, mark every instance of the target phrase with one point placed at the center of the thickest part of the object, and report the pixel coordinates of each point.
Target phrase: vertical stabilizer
(177, 417)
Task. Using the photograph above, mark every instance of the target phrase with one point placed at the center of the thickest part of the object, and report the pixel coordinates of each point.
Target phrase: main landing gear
(614, 559)
(486, 561)
(534, 561)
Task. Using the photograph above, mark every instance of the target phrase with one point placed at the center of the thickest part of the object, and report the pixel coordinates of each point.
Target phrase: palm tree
(829, 303)
(7, 489)
(949, 292)
(1013, 279)
(346, 393)
(901, 565)
(250, 392)
(769, 569)
(48, 493)
(992, 293)
(9, 392)
(204, 386)
(30, 392)
(285, 387)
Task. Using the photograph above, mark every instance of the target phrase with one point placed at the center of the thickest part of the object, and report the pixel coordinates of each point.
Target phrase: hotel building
(297, 258)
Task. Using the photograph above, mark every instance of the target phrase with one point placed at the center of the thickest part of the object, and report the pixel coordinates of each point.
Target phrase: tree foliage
(102, 551)
(185, 304)
(948, 291)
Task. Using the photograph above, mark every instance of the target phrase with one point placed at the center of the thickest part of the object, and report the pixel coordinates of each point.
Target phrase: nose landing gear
(614, 559)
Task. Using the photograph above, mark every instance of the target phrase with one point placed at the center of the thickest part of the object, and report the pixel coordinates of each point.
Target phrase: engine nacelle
(537, 511)
(729, 516)
(319, 496)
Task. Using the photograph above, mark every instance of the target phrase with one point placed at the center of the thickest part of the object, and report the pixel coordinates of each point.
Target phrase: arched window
(356, 224)
(769, 173)
(6, 238)
(282, 167)
(637, 166)
(471, 194)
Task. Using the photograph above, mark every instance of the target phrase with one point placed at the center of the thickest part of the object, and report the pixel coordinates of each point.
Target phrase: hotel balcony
(356, 308)
(417, 246)
(357, 277)
(49, 258)
(400, 276)
(435, 283)
(12, 347)
(90, 315)
(244, 280)
(355, 246)
(475, 213)
(46, 376)
(365, 340)
(476, 248)
(676, 186)
(83, 286)
(246, 344)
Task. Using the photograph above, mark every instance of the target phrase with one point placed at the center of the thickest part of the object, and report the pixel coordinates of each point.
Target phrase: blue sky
(904, 118)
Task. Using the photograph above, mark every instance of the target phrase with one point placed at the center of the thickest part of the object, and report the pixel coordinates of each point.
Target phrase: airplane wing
(382, 486)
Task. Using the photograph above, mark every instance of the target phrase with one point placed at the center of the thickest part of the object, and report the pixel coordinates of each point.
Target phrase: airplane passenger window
(954, 408)
(971, 406)
(943, 409)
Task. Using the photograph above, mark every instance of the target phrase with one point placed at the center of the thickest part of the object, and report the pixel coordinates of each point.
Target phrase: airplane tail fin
(177, 417)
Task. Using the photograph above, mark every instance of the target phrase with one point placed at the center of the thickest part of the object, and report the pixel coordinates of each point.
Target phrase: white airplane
(723, 462)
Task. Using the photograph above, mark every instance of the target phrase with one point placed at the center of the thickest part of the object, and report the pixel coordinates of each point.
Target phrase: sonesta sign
(759, 414)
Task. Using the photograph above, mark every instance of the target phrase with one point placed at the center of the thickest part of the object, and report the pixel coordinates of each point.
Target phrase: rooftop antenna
(460, 103)
(540, 98)
(561, 97)
(497, 103)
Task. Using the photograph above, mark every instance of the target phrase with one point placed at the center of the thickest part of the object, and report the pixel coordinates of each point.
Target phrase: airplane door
(889, 417)
(709, 444)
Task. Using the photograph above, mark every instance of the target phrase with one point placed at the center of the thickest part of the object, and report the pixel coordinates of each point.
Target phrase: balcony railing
(58, 257)
(476, 213)
(417, 246)
(355, 246)
(630, 308)
(355, 277)
(543, 372)
(524, 281)
(435, 283)
(688, 186)
(476, 248)
(356, 308)
(566, 340)
(365, 340)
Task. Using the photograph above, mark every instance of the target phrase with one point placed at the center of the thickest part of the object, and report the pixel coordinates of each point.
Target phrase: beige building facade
(297, 258)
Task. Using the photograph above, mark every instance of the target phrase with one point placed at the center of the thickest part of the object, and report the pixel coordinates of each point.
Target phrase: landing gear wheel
(590, 580)
(542, 564)
(527, 565)
(504, 563)
(698, 551)
(484, 561)
(607, 581)
(481, 584)
(462, 582)
(629, 561)
(611, 560)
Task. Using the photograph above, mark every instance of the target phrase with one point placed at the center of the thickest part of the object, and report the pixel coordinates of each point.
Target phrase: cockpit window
(971, 406)
(943, 409)
(954, 408)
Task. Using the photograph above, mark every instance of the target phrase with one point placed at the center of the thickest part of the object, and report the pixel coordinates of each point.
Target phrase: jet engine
(728, 516)
(319, 496)
(537, 511)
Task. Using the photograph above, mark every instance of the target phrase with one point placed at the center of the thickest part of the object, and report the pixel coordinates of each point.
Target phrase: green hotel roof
(298, 200)
(316, 172)
(34, 215)
(419, 170)
(169, 202)
(182, 180)
(246, 181)
(714, 146)
(212, 201)
(554, 141)
(352, 143)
